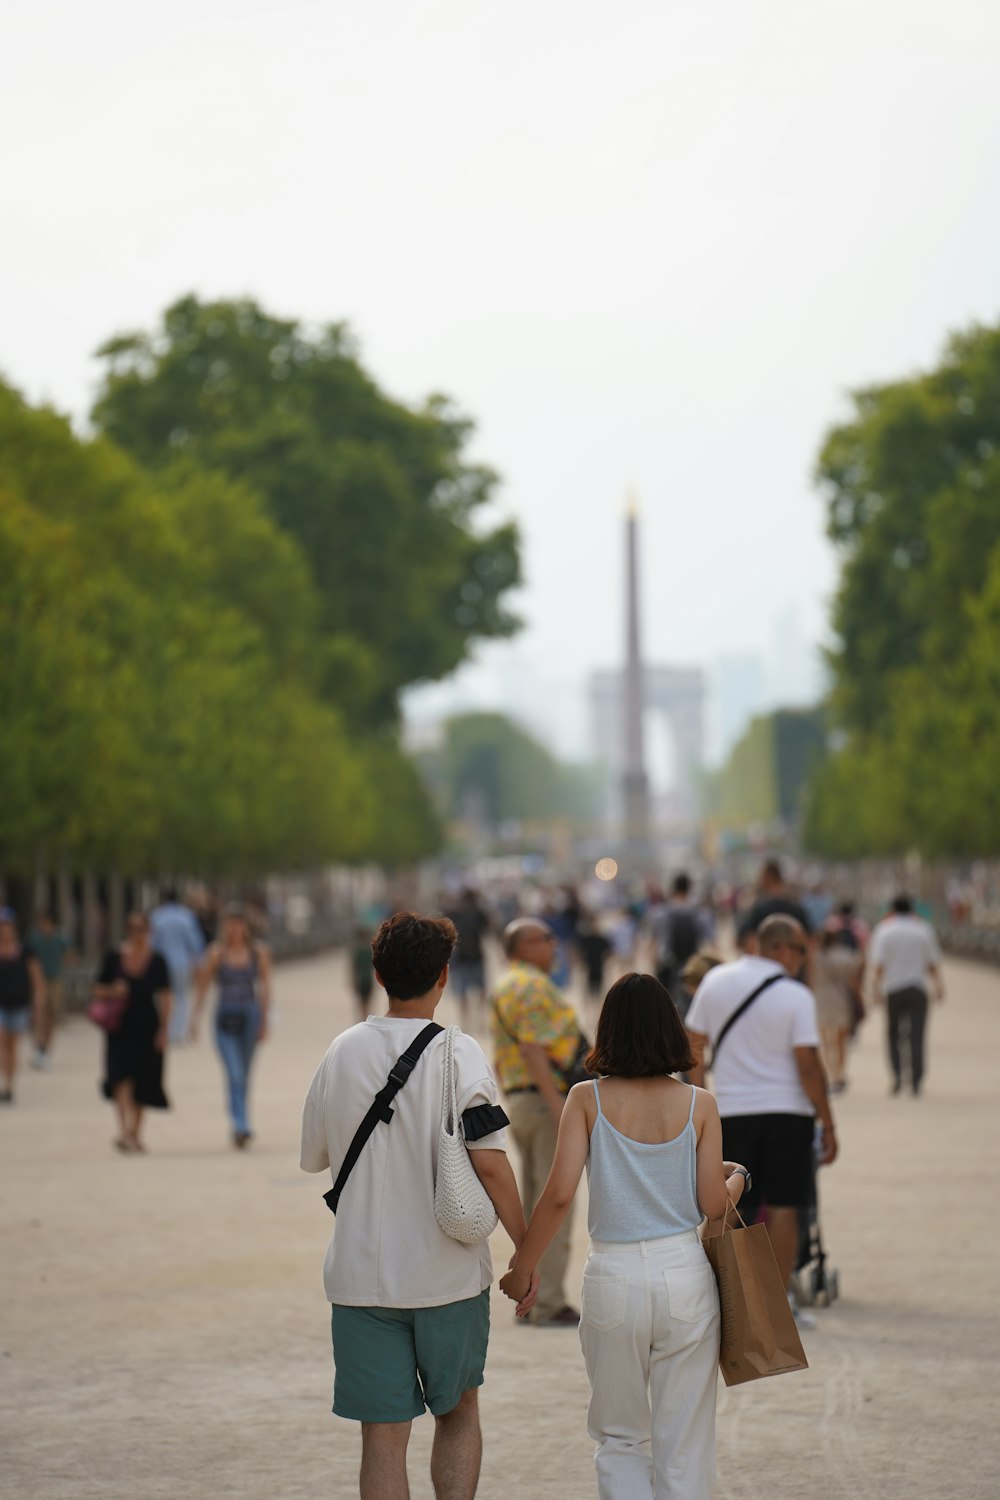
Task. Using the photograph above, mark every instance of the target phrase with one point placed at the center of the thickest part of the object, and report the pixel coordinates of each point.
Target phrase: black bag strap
(380, 1108)
(771, 979)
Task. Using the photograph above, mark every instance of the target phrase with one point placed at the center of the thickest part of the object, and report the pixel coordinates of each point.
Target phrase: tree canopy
(159, 678)
(490, 769)
(380, 497)
(913, 490)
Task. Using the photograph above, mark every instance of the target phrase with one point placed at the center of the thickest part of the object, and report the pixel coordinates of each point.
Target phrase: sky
(648, 248)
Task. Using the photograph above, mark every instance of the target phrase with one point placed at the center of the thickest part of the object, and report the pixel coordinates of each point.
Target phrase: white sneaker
(802, 1318)
(41, 1061)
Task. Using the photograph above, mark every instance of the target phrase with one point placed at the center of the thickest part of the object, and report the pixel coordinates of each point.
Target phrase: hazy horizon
(651, 255)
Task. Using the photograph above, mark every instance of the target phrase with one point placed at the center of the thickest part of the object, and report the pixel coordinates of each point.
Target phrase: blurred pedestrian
(906, 962)
(22, 998)
(536, 1037)
(836, 983)
(135, 1053)
(467, 969)
(692, 974)
(848, 926)
(362, 972)
(768, 1076)
(178, 936)
(650, 1323)
(50, 947)
(410, 1305)
(593, 947)
(676, 932)
(241, 970)
(774, 898)
(623, 931)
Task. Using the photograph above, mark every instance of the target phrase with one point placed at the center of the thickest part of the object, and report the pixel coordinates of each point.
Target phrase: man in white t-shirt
(905, 960)
(768, 1077)
(410, 1305)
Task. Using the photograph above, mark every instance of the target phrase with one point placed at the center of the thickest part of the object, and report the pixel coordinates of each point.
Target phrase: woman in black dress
(134, 1063)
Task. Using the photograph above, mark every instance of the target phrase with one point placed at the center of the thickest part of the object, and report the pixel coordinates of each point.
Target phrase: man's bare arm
(497, 1177)
(813, 1079)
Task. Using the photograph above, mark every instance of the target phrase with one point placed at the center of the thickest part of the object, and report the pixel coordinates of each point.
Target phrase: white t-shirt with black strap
(387, 1249)
(756, 1072)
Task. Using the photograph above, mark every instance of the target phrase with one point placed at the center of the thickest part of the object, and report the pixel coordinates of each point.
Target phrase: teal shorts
(392, 1362)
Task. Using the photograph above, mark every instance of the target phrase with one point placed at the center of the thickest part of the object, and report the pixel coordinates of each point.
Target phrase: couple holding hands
(410, 1307)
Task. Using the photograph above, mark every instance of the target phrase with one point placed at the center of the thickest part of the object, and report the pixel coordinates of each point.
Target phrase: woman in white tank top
(650, 1309)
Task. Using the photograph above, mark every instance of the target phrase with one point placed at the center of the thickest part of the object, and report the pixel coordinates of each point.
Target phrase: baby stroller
(817, 1284)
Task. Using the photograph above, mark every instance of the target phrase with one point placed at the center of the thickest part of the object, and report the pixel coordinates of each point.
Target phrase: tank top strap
(597, 1096)
(694, 1096)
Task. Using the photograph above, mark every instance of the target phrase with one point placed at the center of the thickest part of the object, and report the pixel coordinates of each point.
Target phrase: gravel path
(163, 1331)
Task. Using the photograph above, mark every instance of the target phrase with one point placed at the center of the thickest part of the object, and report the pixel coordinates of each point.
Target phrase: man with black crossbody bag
(410, 1304)
(755, 1025)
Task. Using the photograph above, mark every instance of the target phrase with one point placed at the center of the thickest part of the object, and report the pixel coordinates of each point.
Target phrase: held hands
(521, 1287)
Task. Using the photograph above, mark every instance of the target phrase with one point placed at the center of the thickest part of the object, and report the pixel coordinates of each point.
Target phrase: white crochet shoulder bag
(462, 1206)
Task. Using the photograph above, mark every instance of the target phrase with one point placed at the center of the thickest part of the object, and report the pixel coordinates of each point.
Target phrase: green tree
(158, 684)
(380, 497)
(768, 769)
(913, 499)
(914, 505)
(489, 767)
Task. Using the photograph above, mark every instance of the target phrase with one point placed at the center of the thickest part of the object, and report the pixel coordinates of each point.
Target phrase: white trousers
(650, 1332)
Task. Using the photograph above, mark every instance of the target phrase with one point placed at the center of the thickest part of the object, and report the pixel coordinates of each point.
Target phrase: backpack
(682, 935)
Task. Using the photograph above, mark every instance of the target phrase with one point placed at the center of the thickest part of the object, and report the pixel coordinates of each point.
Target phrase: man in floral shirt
(535, 1036)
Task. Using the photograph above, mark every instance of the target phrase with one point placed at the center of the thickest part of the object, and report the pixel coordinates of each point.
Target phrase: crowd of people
(665, 1156)
(142, 999)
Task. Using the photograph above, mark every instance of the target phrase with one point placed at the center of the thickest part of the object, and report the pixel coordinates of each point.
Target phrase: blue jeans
(236, 1051)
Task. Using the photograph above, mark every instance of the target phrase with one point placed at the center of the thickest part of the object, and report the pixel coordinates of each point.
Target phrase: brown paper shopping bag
(758, 1335)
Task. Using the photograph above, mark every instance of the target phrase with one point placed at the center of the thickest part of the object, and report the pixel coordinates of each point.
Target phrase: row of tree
(209, 609)
(913, 496)
(488, 771)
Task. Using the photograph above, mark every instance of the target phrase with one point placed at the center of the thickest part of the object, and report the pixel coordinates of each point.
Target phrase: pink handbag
(107, 1011)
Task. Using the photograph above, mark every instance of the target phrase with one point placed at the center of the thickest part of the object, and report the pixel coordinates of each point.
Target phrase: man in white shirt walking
(410, 1305)
(905, 960)
(768, 1076)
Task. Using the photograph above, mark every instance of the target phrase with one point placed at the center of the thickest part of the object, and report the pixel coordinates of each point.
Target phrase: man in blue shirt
(176, 934)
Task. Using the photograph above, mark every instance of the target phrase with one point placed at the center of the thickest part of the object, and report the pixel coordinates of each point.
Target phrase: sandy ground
(163, 1330)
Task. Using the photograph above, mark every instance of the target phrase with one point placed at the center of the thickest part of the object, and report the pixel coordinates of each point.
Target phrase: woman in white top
(649, 1325)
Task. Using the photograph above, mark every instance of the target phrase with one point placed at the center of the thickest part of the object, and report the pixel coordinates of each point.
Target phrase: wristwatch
(747, 1179)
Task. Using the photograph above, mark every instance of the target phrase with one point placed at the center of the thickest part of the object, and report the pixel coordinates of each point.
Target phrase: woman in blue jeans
(241, 970)
(649, 1320)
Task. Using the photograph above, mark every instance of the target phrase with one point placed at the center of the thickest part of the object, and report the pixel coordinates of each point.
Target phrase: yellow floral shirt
(527, 1007)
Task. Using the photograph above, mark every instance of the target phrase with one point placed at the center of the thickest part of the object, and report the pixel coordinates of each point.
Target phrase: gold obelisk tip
(632, 504)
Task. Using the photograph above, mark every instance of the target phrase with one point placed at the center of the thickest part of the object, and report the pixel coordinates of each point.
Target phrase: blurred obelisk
(635, 787)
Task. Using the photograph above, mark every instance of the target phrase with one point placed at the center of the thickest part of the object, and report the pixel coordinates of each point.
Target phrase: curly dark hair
(409, 952)
(639, 1033)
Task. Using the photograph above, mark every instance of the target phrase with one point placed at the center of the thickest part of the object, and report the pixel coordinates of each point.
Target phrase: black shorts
(777, 1150)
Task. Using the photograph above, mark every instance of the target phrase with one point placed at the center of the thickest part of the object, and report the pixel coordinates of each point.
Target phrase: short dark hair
(902, 905)
(409, 952)
(682, 884)
(639, 1033)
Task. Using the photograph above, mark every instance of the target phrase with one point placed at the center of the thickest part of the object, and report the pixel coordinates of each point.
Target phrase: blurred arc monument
(620, 699)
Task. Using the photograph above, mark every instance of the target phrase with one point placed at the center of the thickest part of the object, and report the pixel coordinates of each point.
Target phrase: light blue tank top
(640, 1191)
